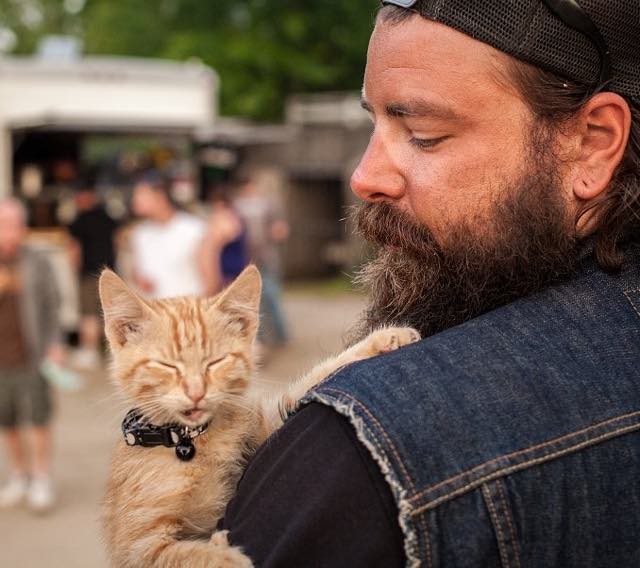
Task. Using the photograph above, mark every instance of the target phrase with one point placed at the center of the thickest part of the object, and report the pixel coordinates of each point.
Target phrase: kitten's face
(184, 360)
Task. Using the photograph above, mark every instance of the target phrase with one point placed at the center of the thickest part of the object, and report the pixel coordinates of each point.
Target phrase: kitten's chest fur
(151, 482)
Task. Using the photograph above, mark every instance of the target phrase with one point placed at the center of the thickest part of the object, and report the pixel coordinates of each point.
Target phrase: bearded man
(502, 187)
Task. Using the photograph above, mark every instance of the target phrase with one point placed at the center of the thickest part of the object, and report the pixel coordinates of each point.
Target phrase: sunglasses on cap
(571, 14)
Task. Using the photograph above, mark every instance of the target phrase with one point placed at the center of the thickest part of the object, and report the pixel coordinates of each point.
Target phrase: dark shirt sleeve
(76, 229)
(312, 496)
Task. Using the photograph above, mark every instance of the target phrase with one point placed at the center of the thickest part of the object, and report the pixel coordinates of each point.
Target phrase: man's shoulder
(558, 330)
(548, 372)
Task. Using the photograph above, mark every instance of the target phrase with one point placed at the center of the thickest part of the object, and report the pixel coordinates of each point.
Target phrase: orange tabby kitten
(186, 363)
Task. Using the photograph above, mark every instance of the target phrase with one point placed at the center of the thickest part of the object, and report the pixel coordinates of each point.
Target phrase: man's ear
(124, 311)
(603, 127)
(240, 302)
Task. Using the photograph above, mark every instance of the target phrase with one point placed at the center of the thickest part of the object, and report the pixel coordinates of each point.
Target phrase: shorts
(25, 397)
(89, 298)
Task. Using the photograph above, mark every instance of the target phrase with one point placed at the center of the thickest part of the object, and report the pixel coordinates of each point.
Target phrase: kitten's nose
(195, 393)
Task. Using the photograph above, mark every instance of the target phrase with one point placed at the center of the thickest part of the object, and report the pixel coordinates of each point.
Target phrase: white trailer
(80, 97)
(99, 94)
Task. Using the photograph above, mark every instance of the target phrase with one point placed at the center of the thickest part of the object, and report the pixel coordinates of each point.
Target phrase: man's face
(448, 132)
(85, 200)
(145, 201)
(465, 196)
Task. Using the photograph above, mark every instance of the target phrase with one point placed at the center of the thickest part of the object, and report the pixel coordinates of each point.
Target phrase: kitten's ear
(241, 301)
(124, 311)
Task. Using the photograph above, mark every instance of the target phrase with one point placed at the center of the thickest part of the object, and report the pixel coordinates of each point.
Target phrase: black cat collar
(138, 432)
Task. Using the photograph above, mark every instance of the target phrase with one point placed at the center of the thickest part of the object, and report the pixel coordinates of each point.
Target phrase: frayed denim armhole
(370, 439)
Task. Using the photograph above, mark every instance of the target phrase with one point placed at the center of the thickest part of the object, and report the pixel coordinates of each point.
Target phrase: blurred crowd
(162, 248)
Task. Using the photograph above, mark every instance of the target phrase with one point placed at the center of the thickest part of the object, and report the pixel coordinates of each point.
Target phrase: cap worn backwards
(532, 31)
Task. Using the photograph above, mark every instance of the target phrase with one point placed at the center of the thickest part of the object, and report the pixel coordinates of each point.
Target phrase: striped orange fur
(189, 361)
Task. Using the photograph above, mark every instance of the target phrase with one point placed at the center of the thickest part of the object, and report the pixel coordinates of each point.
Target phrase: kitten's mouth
(193, 414)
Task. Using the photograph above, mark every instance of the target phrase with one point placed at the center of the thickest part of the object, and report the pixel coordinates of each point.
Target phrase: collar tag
(138, 432)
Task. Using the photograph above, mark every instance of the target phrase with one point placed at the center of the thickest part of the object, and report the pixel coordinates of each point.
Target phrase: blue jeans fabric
(514, 439)
(271, 310)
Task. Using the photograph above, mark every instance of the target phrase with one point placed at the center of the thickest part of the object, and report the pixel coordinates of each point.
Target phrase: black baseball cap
(593, 42)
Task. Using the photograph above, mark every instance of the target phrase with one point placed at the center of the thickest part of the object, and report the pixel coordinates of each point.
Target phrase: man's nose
(377, 177)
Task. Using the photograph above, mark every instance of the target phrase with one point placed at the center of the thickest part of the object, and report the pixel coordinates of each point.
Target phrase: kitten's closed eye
(212, 364)
(162, 365)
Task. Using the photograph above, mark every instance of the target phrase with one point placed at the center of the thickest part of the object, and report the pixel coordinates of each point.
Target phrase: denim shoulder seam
(541, 446)
(509, 518)
(503, 526)
(497, 526)
(504, 465)
(423, 524)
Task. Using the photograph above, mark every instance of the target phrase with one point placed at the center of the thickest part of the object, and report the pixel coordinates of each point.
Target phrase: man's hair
(554, 101)
(87, 182)
(159, 182)
(155, 179)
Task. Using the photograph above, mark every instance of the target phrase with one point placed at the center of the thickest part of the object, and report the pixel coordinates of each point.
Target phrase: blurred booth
(305, 163)
(62, 117)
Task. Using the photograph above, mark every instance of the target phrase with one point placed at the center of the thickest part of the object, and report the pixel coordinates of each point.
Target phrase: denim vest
(513, 440)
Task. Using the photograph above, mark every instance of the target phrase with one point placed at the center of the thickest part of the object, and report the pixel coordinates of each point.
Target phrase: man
(166, 245)
(502, 185)
(92, 248)
(266, 231)
(29, 332)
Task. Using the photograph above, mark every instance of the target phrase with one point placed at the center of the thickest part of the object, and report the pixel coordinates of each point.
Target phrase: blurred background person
(167, 244)
(92, 248)
(224, 251)
(29, 333)
(122, 91)
(266, 231)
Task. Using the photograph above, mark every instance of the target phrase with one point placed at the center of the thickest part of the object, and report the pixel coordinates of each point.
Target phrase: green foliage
(263, 50)
(29, 20)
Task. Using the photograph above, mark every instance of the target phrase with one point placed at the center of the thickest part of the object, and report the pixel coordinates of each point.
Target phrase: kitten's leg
(163, 551)
(376, 343)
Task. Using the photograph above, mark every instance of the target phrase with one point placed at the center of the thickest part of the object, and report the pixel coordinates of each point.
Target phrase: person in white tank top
(166, 244)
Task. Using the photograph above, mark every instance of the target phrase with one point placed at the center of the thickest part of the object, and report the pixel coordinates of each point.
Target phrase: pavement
(87, 424)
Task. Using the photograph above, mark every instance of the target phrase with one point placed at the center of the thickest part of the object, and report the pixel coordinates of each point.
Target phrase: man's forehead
(421, 43)
(420, 59)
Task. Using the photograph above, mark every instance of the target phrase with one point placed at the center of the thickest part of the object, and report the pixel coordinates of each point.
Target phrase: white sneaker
(14, 492)
(40, 496)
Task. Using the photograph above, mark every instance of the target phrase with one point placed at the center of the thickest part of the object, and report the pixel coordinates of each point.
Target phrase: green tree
(30, 20)
(263, 50)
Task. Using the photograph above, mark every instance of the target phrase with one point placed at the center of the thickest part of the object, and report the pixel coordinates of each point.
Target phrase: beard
(526, 242)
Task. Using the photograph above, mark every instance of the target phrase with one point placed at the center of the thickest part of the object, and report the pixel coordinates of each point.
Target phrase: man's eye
(426, 143)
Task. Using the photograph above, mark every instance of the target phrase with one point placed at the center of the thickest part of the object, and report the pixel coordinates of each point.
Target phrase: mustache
(382, 224)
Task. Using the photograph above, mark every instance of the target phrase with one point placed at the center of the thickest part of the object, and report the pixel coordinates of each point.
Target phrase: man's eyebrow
(416, 109)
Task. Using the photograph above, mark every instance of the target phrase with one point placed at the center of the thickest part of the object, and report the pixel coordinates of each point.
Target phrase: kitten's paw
(389, 339)
(228, 556)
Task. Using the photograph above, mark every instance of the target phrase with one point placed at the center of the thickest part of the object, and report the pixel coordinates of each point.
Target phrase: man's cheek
(446, 194)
